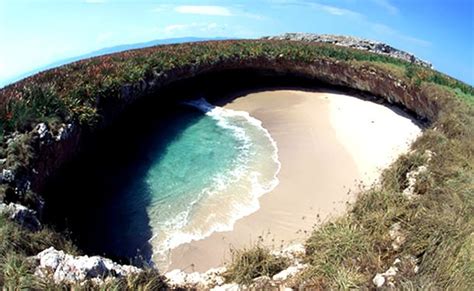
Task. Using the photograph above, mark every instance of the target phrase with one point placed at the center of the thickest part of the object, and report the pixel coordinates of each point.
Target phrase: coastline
(253, 173)
(321, 152)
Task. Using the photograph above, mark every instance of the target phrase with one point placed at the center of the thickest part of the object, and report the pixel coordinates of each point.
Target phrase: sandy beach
(328, 144)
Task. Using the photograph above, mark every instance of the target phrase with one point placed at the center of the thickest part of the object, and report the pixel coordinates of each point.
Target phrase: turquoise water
(150, 184)
(208, 177)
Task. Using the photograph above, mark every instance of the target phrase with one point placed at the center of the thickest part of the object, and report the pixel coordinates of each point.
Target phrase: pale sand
(327, 144)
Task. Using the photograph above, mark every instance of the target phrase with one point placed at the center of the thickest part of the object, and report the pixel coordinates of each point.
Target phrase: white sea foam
(174, 232)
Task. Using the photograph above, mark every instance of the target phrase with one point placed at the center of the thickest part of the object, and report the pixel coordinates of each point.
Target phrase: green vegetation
(437, 223)
(16, 269)
(16, 243)
(38, 104)
(253, 262)
(73, 91)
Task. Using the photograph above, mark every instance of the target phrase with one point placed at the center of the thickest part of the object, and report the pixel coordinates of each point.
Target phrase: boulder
(66, 268)
(7, 175)
(289, 272)
(42, 130)
(378, 280)
(21, 215)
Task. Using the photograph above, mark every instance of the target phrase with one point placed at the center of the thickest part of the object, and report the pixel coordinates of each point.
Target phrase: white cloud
(211, 10)
(204, 10)
(385, 4)
(330, 9)
(334, 10)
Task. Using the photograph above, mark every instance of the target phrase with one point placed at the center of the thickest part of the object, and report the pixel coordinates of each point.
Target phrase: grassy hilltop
(436, 226)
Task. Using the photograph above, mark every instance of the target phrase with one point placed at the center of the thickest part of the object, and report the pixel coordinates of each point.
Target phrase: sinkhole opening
(173, 167)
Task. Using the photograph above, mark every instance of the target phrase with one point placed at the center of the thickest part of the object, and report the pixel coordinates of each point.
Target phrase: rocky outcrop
(214, 278)
(210, 279)
(33, 156)
(21, 215)
(61, 267)
(355, 43)
(65, 268)
(413, 177)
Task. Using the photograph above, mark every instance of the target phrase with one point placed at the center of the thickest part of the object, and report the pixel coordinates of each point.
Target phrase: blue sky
(34, 33)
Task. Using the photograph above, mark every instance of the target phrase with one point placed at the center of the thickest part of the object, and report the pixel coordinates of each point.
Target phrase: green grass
(18, 243)
(38, 104)
(17, 273)
(73, 91)
(336, 254)
(438, 224)
(16, 270)
(17, 239)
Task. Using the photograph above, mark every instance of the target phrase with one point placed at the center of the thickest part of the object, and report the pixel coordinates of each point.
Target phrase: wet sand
(328, 145)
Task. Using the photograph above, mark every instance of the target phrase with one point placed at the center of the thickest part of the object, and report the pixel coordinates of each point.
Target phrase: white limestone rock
(412, 176)
(21, 215)
(42, 130)
(378, 280)
(388, 276)
(195, 279)
(353, 42)
(8, 175)
(289, 272)
(65, 268)
(211, 278)
(176, 278)
(214, 277)
(397, 236)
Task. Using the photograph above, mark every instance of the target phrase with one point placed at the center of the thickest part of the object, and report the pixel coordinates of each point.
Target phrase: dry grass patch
(250, 263)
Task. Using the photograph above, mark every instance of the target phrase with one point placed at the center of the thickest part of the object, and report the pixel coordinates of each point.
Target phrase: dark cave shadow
(92, 195)
(100, 197)
(222, 88)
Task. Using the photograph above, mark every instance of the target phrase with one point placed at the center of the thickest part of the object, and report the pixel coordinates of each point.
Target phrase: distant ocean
(208, 176)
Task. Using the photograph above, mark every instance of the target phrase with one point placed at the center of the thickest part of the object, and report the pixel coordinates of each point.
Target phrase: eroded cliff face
(52, 148)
